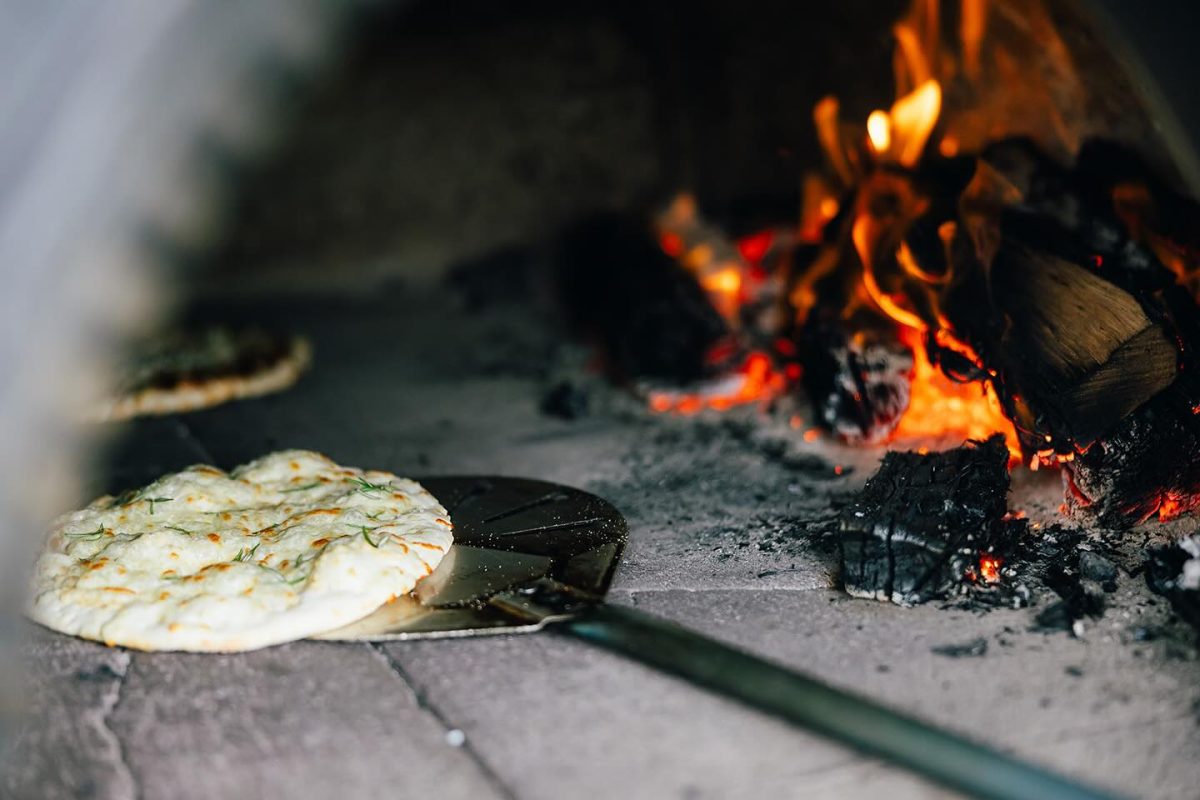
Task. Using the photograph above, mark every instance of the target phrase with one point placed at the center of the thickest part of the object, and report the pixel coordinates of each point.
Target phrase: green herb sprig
(245, 554)
(366, 487)
(304, 488)
(153, 500)
(86, 536)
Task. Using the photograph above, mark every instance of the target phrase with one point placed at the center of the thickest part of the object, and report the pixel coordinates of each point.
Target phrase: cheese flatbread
(282, 548)
(181, 372)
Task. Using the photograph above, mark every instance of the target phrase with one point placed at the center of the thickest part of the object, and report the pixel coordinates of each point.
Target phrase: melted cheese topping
(285, 547)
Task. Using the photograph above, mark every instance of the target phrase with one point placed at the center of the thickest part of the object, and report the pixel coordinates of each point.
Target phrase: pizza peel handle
(874, 729)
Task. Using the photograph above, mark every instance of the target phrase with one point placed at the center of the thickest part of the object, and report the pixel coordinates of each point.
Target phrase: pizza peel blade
(530, 555)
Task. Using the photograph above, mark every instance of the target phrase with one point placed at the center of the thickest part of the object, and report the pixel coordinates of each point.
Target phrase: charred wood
(1173, 571)
(1080, 351)
(1149, 463)
(857, 377)
(648, 315)
(922, 521)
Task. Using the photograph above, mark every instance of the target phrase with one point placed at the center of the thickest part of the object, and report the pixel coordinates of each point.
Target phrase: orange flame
(879, 130)
(755, 380)
(1169, 508)
(939, 407)
(900, 134)
(715, 261)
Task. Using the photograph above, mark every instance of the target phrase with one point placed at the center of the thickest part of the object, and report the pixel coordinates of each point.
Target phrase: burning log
(1148, 464)
(649, 316)
(1078, 352)
(924, 523)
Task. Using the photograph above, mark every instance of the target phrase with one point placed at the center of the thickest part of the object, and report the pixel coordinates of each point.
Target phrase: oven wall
(454, 132)
(457, 130)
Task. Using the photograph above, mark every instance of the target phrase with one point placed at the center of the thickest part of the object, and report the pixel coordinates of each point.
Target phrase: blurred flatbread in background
(186, 371)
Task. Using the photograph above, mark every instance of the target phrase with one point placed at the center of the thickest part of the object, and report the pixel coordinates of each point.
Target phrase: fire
(939, 407)
(756, 380)
(989, 567)
(1169, 508)
(906, 128)
(724, 269)
(879, 130)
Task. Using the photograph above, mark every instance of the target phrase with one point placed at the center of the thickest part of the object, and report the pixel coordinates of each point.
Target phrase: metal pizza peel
(530, 555)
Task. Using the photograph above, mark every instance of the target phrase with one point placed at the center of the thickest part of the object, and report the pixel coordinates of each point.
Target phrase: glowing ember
(756, 380)
(989, 567)
(1169, 508)
(728, 272)
(939, 407)
(754, 247)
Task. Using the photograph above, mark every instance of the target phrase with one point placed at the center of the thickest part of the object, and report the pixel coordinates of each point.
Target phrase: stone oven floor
(724, 537)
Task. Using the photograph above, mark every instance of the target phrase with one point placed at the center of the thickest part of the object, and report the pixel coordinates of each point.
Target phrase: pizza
(285, 547)
(179, 372)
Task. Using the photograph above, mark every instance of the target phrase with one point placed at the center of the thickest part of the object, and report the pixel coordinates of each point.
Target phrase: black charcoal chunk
(1079, 597)
(1173, 571)
(648, 315)
(919, 526)
(1147, 461)
(1096, 567)
(566, 401)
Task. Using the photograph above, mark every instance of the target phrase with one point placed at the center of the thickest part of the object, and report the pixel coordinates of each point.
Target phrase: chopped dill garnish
(244, 554)
(366, 487)
(153, 500)
(88, 536)
(177, 528)
(304, 488)
(126, 498)
(366, 534)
